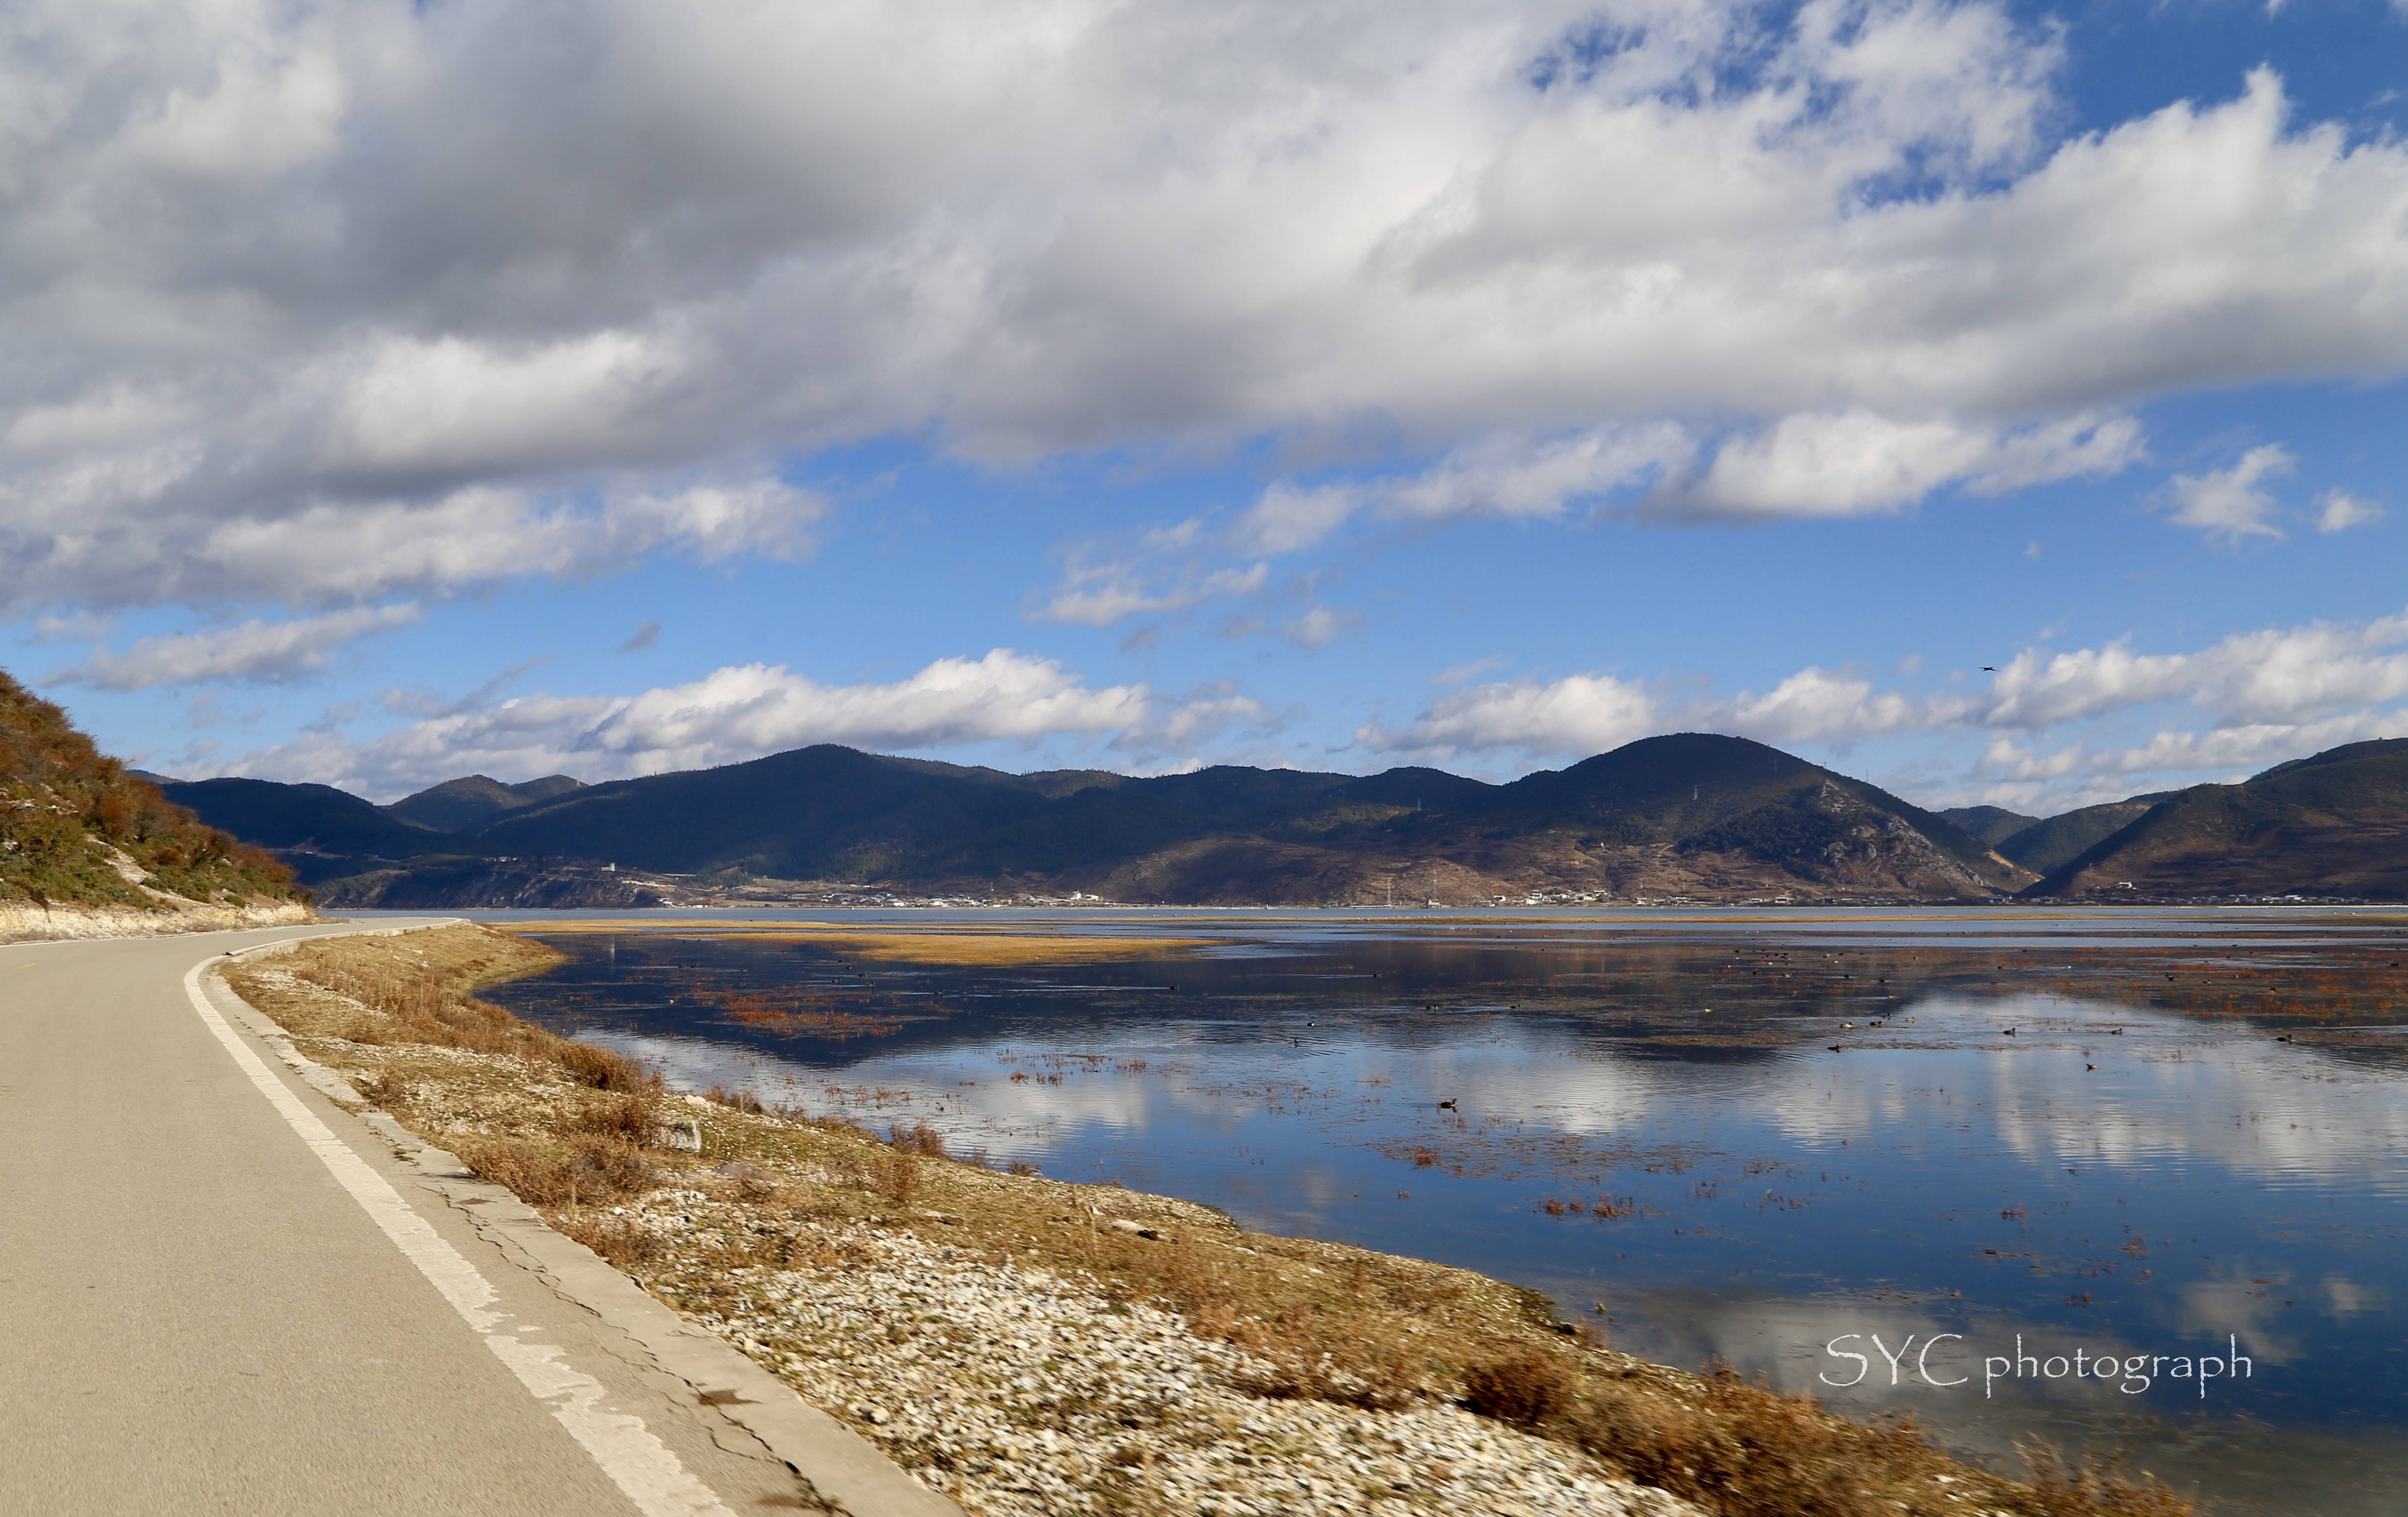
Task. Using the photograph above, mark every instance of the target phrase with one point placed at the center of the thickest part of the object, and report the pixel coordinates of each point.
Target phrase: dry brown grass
(604, 1069)
(918, 1138)
(631, 1117)
(585, 1169)
(1328, 1322)
(1001, 948)
(1527, 1390)
(1000, 945)
(419, 988)
(1746, 1451)
(2095, 1485)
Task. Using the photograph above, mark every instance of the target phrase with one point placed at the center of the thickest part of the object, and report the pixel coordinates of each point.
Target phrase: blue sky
(2003, 403)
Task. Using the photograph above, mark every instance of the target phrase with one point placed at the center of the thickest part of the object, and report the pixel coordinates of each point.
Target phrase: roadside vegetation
(1029, 1345)
(78, 831)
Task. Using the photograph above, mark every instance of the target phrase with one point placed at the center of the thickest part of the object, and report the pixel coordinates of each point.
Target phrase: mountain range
(2334, 825)
(1692, 815)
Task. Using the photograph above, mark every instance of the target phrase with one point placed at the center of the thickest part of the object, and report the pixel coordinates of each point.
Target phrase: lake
(1964, 1146)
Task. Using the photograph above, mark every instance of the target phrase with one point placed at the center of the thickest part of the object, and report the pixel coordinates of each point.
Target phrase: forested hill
(2334, 825)
(76, 829)
(1710, 817)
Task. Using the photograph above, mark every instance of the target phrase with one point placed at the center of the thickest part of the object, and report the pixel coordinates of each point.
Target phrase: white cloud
(742, 712)
(326, 550)
(2229, 504)
(1287, 519)
(1516, 477)
(2338, 511)
(1580, 714)
(1506, 475)
(2277, 675)
(1844, 465)
(255, 650)
(2009, 760)
(1097, 594)
(421, 405)
(1820, 705)
(1320, 626)
(2246, 748)
(2267, 697)
(285, 265)
(1856, 464)
(1470, 669)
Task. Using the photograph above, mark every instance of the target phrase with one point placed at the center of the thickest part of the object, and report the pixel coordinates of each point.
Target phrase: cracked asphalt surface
(195, 1317)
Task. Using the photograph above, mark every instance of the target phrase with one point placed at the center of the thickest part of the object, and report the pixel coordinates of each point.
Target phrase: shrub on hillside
(69, 814)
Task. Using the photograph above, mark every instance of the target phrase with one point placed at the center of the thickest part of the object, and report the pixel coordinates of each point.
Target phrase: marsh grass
(999, 947)
(585, 1169)
(2095, 1484)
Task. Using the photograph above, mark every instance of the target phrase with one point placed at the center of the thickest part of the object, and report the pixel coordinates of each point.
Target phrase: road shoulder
(742, 1412)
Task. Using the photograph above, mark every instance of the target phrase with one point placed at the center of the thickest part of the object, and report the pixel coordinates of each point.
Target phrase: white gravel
(1018, 1391)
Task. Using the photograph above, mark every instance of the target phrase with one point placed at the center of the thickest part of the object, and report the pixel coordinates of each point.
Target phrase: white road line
(647, 1470)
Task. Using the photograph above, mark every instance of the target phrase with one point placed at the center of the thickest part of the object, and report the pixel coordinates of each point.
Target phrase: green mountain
(78, 828)
(1707, 817)
(2052, 844)
(305, 824)
(2335, 824)
(1992, 824)
(1710, 817)
(465, 804)
(355, 853)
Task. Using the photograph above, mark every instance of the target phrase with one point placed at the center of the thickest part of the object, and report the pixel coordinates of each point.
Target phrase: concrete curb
(846, 1471)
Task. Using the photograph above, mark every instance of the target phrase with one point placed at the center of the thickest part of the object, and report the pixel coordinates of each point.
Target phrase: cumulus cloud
(2242, 749)
(1858, 463)
(288, 268)
(2338, 511)
(255, 650)
(1579, 714)
(2265, 697)
(1511, 476)
(1847, 465)
(330, 551)
(1821, 705)
(742, 712)
(1320, 626)
(2232, 503)
(1097, 594)
(2277, 675)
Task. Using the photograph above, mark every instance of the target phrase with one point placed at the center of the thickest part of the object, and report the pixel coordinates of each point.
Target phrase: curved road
(203, 1308)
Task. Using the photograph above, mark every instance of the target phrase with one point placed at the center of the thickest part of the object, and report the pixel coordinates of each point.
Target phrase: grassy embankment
(89, 851)
(581, 1132)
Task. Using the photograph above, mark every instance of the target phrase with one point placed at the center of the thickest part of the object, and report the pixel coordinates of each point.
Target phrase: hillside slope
(305, 820)
(2052, 844)
(469, 802)
(1691, 814)
(78, 830)
(1992, 824)
(2335, 824)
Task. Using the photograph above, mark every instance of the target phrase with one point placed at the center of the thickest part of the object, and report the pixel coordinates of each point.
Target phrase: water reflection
(1716, 1149)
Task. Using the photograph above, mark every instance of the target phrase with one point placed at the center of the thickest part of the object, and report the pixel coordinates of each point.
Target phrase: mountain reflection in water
(1659, 1133)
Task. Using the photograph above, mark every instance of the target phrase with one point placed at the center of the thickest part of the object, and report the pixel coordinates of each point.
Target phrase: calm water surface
(1649, 1121)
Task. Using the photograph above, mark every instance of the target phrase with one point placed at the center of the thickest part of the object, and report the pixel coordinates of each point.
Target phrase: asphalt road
(202, 1309)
